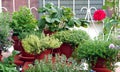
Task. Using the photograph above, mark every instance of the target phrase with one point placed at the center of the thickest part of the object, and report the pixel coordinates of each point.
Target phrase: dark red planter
(66, 49)
(56, 51)
(101, 70)
(48, 32)
(17, 60)
(100, 66)
(100, 63)
(24, 56)
(17, 43)
(44, 54)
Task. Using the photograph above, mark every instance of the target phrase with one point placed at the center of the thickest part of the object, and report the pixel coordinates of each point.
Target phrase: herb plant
(5, 31)
(92, 50)
(34, 44)
(23, 21)
(60, 65)
(73, 37)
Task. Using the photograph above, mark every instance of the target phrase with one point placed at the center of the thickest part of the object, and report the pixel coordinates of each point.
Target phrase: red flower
(99, 15)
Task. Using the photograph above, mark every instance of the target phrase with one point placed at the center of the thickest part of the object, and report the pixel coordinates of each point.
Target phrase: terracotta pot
(100, 63)
(17, 43)
(56, 51)
(25, 54)
(101, 70)
(66, 49)
(48, 32)
(17, 60)
(100, 66)
(27, 58)
(44, 54)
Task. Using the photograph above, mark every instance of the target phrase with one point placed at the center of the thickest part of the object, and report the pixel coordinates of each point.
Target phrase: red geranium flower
(99, 15)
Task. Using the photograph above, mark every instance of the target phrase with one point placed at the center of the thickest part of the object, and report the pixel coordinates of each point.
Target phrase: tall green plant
(112, 22)
(23, 21)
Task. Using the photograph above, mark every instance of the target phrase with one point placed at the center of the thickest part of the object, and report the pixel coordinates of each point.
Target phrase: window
(78, 5)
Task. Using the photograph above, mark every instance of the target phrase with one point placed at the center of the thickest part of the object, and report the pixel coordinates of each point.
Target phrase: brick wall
(18, 3)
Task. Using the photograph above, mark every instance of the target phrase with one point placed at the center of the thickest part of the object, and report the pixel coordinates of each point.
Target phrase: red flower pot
(48, 32)
(66, 49)
(17, 43)
(56, 51)
(17, 60)
(100, 66)
(24, 56)
(100, 63)
(44, 54)
(27, 58)
(101, 70)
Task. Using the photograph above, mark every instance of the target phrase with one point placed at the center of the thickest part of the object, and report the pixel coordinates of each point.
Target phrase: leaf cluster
(109, 22)
(57, 19)
(23, 21)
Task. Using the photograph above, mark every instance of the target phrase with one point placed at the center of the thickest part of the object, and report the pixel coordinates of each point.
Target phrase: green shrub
(23, 21)
(92, 50)
(73, 37)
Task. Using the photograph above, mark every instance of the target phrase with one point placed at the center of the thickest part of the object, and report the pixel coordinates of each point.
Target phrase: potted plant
(57, 19)
(70, 39)
(5, 32)
(36, 45)
(23, 21)
(99, 54)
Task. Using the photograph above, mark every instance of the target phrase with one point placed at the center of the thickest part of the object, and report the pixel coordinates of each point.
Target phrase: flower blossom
(111, 46)
(99, 15)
